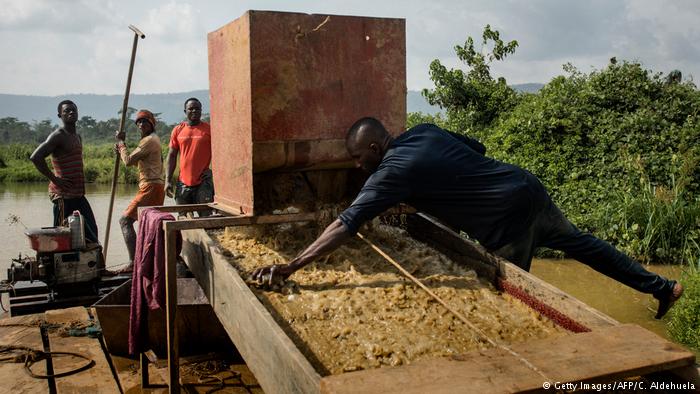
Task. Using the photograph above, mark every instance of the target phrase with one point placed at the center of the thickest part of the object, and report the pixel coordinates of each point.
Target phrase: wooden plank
(605, 355)
(492, 267)
(227, 221)
(22, 331)
(184, 207)
(555, 298)
(269, 353)
(273, 357)
(171, 310)
(99, 378)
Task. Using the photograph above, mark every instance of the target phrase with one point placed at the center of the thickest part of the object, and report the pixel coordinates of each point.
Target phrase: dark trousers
(199, 194)
(552, 230)
(64, 207)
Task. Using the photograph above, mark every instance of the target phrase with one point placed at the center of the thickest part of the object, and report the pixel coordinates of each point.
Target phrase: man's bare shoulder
(58, 133)
(56, 138)
(53, 144)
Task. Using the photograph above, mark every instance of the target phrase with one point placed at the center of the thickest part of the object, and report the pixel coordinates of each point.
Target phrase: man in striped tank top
(67, 180)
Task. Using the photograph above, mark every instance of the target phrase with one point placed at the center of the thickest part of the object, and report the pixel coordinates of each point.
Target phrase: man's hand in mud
(272, 275)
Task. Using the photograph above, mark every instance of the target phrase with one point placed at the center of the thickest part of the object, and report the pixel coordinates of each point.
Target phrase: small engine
(56, 263)
(58, 268)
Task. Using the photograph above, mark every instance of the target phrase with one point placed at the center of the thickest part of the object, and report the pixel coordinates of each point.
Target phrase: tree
(15, 131)
(130, 111)
(476, 97)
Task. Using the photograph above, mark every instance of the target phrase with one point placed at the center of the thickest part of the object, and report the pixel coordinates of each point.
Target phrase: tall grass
(684, 324)
(659, 223)
(98, 160)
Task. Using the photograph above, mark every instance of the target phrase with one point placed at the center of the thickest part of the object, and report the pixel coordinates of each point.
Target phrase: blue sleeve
(471, 142)
(384, 189)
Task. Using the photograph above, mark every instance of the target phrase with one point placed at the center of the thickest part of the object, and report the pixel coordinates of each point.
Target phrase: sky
(53, 47)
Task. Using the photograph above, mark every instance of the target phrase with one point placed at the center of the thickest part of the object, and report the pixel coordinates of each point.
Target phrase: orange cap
(148, 115)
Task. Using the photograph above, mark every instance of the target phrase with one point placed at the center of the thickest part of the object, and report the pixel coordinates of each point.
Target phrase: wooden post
(171, 308)
(144, 370)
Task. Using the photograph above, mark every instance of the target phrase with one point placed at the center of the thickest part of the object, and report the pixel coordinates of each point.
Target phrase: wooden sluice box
(285, 88)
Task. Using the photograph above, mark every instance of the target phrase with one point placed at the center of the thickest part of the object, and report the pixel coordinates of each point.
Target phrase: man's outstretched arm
(332, 237)
(384, 189)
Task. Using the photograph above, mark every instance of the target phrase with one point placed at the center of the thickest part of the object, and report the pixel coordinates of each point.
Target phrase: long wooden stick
(452, 310)
(137, 34)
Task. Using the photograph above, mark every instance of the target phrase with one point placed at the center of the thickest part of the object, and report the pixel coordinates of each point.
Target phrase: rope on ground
(453, 311)
(29, 356)
(207, 373)
(5, 288)
(2, 306)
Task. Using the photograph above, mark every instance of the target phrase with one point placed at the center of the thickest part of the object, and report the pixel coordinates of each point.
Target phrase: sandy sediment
(353, 310)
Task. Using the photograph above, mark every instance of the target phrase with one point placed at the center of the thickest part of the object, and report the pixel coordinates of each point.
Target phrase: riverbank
(98, 159)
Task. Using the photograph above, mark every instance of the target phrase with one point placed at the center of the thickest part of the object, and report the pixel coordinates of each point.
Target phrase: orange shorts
(149, 194)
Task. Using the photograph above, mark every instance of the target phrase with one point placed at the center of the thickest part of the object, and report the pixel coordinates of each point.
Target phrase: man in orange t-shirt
(192, 141)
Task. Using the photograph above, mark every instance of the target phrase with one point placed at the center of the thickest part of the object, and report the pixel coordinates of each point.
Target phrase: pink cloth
(148, 277)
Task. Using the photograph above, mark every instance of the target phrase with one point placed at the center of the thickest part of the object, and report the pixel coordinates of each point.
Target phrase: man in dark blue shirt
(502, 206)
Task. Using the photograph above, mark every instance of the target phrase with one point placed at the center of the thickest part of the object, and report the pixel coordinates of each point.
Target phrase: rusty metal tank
(285, 88)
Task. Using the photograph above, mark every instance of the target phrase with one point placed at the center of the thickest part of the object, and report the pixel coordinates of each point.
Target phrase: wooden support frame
(492, 268)
(171, 228)
(280, 366)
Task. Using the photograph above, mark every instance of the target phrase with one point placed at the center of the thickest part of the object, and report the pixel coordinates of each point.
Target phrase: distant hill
(415, 102)
(103, 107)
(528, 87)
(98, 106)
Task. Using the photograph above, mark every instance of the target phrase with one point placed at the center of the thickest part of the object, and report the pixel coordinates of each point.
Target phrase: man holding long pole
(137, 34)
(147, 156)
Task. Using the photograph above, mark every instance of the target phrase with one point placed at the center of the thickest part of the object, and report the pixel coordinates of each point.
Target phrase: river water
(29, 201)
(604, 294)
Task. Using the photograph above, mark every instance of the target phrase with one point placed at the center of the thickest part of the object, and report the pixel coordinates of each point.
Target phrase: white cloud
(84, 46)
(174, 21)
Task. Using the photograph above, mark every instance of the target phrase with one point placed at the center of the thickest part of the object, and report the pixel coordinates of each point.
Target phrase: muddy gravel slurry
(353, 310)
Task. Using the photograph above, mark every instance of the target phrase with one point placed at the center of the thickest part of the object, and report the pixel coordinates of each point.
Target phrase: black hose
(31, 356)
(28, 362)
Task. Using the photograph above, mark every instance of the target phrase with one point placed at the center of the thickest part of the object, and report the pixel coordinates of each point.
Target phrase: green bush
(684, 324)
(657, 224)
(98, 164)
(616, 148)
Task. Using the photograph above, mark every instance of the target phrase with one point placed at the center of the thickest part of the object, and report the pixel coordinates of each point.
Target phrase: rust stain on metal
(267, 90)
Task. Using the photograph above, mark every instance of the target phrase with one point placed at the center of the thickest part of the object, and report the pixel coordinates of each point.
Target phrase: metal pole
(122, 122)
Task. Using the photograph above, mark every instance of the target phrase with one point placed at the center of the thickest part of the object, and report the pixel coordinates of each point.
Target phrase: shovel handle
(137, 31)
